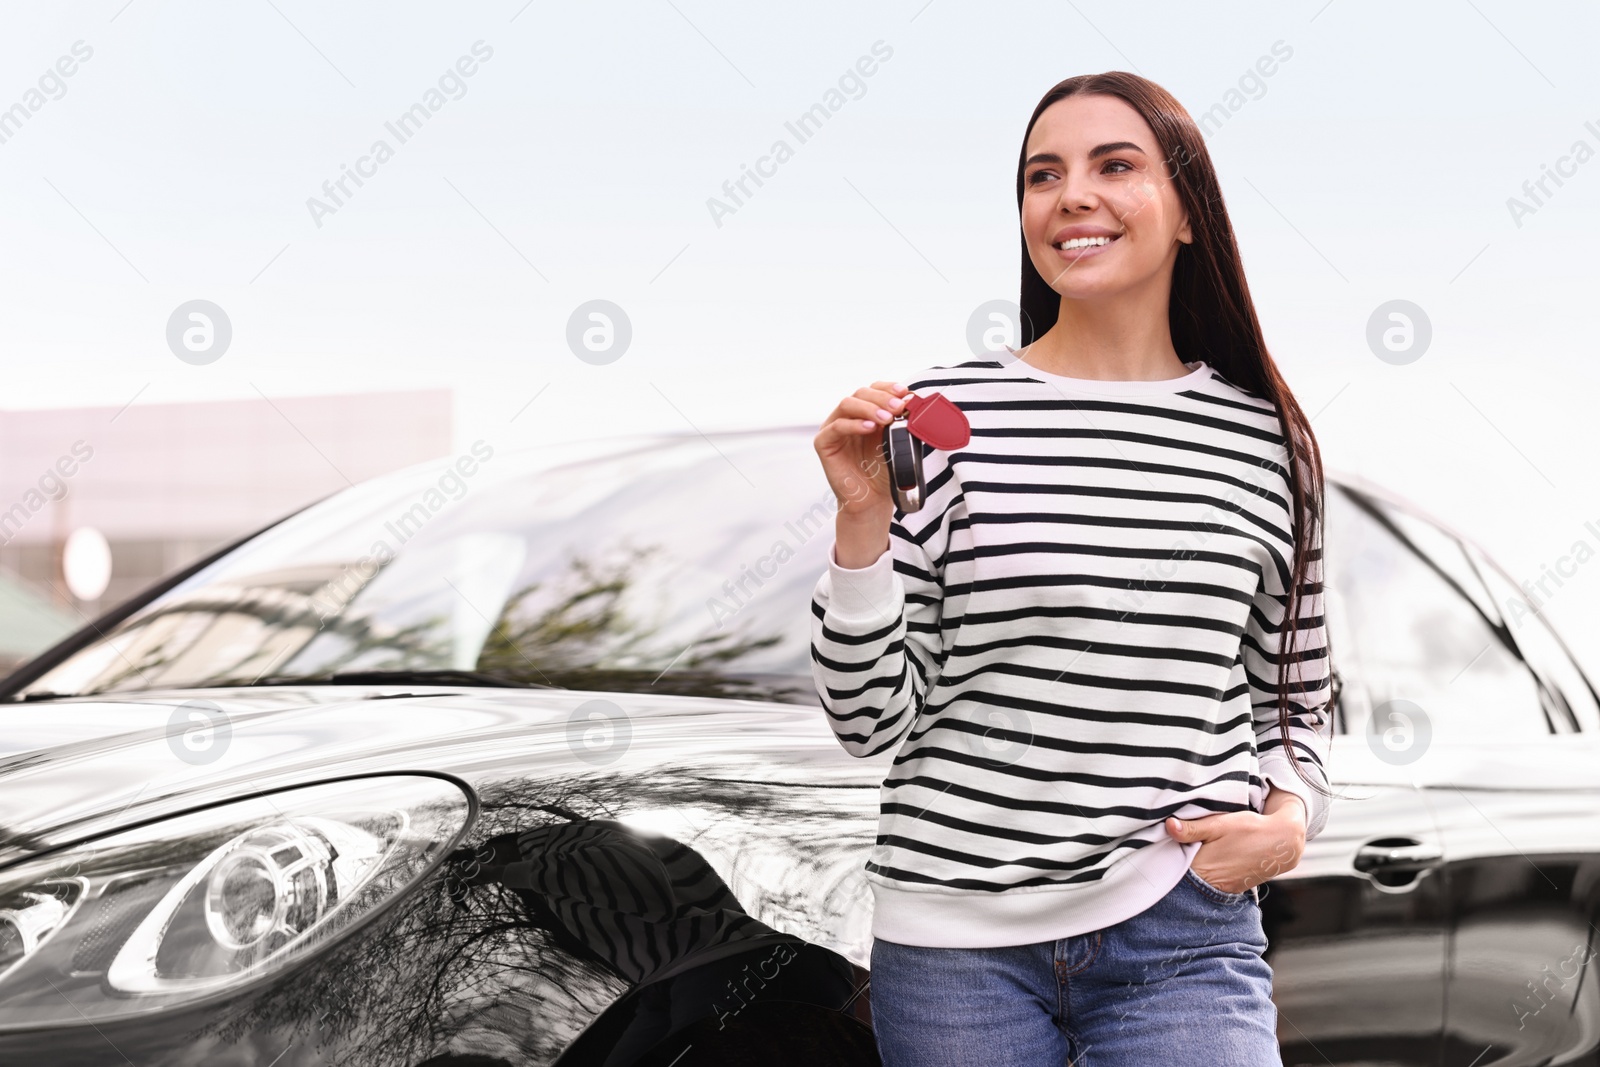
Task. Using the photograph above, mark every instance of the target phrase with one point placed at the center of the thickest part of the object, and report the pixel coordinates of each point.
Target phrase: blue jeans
(1181, 984)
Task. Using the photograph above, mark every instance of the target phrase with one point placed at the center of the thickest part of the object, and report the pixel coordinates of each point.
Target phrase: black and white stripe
(644, 905)
(1074, 638)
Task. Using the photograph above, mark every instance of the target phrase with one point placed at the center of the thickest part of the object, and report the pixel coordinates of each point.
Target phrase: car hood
(72, 769)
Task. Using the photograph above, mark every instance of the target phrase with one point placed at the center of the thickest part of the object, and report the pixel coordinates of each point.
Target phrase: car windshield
(674, 565)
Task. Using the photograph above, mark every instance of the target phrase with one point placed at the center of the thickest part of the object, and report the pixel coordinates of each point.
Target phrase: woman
(1078, 639)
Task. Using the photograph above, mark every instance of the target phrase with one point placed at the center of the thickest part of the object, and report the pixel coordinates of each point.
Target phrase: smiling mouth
(1083, 242)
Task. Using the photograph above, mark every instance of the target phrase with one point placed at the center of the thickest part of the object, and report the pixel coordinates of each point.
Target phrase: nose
(1076, 193)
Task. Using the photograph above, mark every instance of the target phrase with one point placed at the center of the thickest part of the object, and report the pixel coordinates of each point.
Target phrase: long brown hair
(1211, 317)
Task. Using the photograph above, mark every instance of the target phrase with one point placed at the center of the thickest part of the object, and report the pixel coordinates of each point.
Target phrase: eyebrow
(1094, 153)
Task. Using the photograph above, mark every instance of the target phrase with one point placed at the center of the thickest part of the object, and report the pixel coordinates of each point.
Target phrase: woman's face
(1093, 165)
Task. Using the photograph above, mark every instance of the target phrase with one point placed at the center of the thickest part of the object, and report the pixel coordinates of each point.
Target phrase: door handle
(1396, 854)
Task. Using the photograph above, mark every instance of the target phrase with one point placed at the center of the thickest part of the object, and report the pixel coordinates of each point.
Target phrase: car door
(1516, 788)
(1504, 728)
(1358, 932)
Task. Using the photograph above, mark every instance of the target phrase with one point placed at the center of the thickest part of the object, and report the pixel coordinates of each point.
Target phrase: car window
(1561, 687)
(684, 567)
(1565, 683)
(1409, 632)
(1444, 550)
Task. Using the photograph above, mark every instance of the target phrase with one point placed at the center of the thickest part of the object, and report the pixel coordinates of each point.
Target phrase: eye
(1119, 163)
(1037, 176)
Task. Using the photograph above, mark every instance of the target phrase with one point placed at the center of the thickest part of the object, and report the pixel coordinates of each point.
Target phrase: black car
(518, 759)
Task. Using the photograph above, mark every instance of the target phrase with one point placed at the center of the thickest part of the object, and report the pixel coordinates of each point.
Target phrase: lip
(1067, 233)
(1073, 255)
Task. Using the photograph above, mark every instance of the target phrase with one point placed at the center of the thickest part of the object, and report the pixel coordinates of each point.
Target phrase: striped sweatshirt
(1076, 636)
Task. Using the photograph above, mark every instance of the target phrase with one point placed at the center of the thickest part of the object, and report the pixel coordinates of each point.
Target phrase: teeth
(1084, 242)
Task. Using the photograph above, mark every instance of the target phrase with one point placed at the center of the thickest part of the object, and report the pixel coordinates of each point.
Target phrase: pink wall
(212, 469)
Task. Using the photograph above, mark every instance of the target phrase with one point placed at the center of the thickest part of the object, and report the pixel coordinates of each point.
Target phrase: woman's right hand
(849, 446)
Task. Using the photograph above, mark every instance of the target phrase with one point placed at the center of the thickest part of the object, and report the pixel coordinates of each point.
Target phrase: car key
(932, 421)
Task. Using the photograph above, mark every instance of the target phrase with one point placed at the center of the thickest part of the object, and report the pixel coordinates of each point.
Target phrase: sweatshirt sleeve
(1310, 721)
(877, 640)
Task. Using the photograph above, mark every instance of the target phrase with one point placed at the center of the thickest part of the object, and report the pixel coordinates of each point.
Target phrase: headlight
(184, 908)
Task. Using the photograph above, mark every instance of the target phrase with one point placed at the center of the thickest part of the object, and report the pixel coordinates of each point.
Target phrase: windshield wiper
(400, 677)
(477, 679)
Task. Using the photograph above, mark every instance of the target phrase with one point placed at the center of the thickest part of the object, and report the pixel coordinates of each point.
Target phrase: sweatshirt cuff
(1276, 771)
(865, 593)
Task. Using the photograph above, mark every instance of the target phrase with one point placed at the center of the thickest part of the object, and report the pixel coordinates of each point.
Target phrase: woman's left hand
(1242, 849)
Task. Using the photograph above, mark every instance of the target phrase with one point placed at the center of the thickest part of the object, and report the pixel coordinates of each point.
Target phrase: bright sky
(573, 151)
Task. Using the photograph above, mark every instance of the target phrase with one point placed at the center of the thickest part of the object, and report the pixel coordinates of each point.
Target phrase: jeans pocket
(1221, 896)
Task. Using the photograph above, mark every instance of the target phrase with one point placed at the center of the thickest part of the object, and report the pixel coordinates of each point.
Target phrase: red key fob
(935, 420)
(931, 420)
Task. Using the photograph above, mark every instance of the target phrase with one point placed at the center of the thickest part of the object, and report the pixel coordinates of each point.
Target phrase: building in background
(164, 484)
(29, 622)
